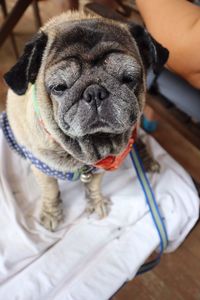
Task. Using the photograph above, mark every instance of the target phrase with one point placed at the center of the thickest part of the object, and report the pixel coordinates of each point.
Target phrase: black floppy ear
(152, 53)
(27, 67)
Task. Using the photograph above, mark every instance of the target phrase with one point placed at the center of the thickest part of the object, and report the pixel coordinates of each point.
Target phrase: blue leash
(153, 207)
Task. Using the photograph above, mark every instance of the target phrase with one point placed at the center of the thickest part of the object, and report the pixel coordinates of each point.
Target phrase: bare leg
(96, 201)
(51, 212)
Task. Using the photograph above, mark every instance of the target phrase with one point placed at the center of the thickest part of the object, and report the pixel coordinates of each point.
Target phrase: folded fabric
(86, 258)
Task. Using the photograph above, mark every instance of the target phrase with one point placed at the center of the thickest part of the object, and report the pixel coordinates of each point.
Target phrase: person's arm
(176, 25)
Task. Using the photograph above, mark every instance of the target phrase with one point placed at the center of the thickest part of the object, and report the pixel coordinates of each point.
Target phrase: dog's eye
(58, 89)
(129, 79)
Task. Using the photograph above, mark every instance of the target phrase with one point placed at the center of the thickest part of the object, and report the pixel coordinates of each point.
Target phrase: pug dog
(76, 96)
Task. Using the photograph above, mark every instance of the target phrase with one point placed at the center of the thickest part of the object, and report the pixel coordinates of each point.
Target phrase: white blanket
(86, 258)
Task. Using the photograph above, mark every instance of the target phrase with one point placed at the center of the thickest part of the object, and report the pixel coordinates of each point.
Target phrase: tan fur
(51, 211)
(28, 132)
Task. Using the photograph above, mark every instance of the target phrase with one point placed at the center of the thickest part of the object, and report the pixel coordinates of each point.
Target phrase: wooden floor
(178, 275)
(176, 278)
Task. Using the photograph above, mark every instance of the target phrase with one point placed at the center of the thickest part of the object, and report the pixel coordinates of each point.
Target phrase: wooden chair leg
(36, 11)
(14, 45)
(12, 38)
(12, 19)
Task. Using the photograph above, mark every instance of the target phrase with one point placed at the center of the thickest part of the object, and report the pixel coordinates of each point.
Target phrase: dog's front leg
(96, 201)
(51, 211)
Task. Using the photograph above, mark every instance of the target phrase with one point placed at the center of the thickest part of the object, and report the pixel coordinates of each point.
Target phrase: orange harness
(110, 162)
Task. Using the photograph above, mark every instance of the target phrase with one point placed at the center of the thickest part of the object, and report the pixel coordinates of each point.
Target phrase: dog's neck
(37, 112)
(108, 163)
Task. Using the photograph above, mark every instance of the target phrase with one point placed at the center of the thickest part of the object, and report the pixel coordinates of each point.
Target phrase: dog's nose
(95, 93)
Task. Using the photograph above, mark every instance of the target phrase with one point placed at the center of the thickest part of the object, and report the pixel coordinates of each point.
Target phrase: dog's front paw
(51, 217)
(152, 166)
(155, 167)
(100, 205)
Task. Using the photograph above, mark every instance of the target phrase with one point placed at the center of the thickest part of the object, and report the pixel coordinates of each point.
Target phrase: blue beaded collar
(26, 154)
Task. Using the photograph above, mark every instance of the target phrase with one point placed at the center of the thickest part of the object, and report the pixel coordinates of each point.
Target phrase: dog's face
(94, 76)
(95, 79)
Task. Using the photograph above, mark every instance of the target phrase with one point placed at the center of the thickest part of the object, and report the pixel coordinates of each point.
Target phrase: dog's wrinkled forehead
(91, 37)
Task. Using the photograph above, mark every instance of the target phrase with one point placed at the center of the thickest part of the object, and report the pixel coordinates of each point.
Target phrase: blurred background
(172, 105)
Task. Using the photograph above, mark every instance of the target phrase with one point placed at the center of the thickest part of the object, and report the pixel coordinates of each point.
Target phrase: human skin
(176, 25)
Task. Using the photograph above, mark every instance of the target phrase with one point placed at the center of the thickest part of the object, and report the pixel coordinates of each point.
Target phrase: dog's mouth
(94, 138)
(103, 130)
(100, 128)
(97, 144)
(103, 144)
(102, 137)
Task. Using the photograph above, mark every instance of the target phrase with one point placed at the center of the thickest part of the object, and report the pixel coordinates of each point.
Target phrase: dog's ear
(27, 67)
(152, 53)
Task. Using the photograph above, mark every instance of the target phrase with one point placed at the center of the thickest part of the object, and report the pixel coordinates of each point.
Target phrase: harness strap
(26, 154)
(153, 207)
